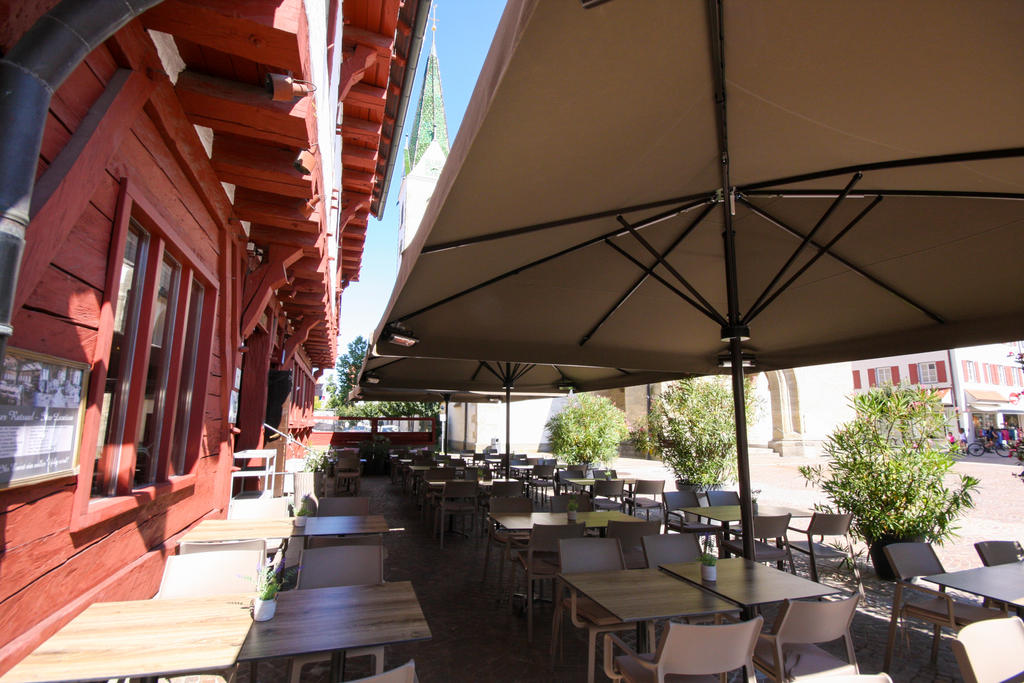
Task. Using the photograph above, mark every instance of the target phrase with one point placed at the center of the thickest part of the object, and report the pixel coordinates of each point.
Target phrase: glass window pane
(161, 340)
(193, 322)
(119, 364)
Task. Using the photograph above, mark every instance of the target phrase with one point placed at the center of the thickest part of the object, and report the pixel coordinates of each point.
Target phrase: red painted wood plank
(62, 193)
(46, 334)
(63, 296)
(85, 250)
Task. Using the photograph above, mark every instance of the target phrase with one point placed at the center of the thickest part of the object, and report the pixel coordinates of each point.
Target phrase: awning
(983, 395)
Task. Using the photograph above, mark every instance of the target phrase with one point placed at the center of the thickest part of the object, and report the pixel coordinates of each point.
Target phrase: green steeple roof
(430, 123)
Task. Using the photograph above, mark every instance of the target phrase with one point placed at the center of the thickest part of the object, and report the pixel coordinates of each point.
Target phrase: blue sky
(464, 32)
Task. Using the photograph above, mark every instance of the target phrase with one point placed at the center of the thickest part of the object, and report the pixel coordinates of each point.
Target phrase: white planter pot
(263, 610)
(300, 521)
(709, 572)
(572, 515)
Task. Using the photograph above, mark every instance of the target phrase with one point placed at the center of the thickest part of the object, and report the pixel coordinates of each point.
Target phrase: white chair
(189, 547)
(686, 650)
(210, 573)
(259, 508)
(790, 652)
(991, 651)
(403, 674)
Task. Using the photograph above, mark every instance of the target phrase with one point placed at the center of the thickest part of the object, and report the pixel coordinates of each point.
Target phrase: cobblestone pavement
(479, 633)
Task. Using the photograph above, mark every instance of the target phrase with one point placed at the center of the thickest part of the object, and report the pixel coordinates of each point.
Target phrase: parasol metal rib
(501, 378)
(665, 264)
(951, 194)
(713, 315)
(849, 264)
(657, 218)
(803, 243)
(479, 367)
(643, 278)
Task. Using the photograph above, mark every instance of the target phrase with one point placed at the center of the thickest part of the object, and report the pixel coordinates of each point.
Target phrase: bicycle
(978, 448)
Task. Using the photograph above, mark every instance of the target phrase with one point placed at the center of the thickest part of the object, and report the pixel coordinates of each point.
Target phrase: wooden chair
(457, 498)
(767, 527)
(542, 479)
(609, 494)
(790, 651)
(686, 650)
(347, 472)
(507, 489)
(539, 559)
(653, 488)
(909, 561)
(577, 555)
(991, 651)
(630, 536)
(335, 506)
(685, 522)
(197, 575)
(662, 549)
(504, 538)
(570, 472)
(820, 526)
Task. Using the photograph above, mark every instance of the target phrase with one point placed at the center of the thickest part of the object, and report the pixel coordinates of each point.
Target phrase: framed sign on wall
(42, 405)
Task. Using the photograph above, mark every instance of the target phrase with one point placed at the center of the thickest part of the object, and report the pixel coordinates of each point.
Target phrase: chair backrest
(604, 474)
(560, 503)
(347, 461)
(511, 505)
(609, 489)
(544, 471)
(913, 559)
(825, 524)
(258, 508)
(545, 537)
(456, 462)
(649, 487)
(471, 474)
(771, 526)
(439, 474)
(460, 489)
(590, 555)
(188, 547)
(341, 565)
(198, 575)
(631, 534)
(403, 674)
(999, 552)
(507, 488)
(990, 650)
(674, 500)
(701, 649)
(815, 622)
(662, 549)
(723, 498)
(306, 485)
(342, 506)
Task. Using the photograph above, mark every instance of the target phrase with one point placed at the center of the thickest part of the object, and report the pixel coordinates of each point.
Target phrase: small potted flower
(708, 562)
(265, 603)
(571, 508)
(305, 510)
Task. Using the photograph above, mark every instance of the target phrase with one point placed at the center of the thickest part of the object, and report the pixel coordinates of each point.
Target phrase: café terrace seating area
(456, 568)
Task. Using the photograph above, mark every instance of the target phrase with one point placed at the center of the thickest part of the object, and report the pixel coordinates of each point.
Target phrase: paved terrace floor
(480, 635)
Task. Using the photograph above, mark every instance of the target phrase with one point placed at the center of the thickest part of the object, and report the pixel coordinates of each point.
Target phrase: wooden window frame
(923, 372)
(134, 202)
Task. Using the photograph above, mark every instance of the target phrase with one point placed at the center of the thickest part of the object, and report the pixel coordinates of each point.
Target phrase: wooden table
(245, 529)
(141, 638)
(1001, 582)
(318, 620)
(593, 520)
(749, 584)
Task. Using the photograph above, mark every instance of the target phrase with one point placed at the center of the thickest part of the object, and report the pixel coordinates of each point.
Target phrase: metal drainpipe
(29, 74)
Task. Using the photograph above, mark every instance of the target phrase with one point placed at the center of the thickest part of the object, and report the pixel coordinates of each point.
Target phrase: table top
(644, 594)
(422, 468)
(328, 619)
(343, 525)
(1002, 582)
(241, 529)
(594, 520)
(141, 638)
(750, 583)
(590, 482)
(731, 513)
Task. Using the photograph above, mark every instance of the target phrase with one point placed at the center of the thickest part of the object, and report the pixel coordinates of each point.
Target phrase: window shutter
(940, 369)
(895, 375)
(871, 377)
(914, 378)
(994, 371)
(856, 379)
(977, 371)
(966, 371)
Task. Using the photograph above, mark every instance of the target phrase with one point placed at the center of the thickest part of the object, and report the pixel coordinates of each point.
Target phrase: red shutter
(940, 369)
(895, 374)
(914, 378)
(977, 371)
(966, 371)
(994, 371)
(856, 379)
(871, 377)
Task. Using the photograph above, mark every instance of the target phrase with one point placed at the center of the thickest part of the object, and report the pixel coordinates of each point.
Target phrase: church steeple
(430, 123)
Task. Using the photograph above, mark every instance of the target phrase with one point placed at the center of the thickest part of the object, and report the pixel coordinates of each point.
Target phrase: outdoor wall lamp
(284, 88)
(725, 360)
(396, 334)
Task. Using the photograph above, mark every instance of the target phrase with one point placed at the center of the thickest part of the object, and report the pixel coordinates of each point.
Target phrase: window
(146, 414)
(971, 375)
(927, 373)
(883, 376)
(1008, 375)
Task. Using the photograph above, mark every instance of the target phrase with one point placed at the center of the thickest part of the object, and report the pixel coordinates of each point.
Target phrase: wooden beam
(353, 65)
(261, 283)
(275, 210)
(68, 184)
(262, 31)
(233, 107)
(365, 95)
(359, 157)
(361, 130)
(299, 336)
(378, 41)
(357, 181)
(358, 203)
(244, 162)
(312, 241)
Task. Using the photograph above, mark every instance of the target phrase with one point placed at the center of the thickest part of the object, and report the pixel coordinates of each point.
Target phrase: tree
(589, 429)
(346, 371)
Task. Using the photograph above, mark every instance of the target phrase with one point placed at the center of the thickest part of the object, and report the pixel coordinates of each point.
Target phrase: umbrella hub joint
(730, 332)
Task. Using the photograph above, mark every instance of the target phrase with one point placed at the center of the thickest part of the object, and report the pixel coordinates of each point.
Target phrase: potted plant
(889, 467)
(318, 462)
(268, 583)
(708, 562)
(588, 429)
(571, 508)
(691, 427)
(305, 510)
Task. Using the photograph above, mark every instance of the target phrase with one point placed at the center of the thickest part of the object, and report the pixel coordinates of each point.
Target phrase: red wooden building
(192, 229)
